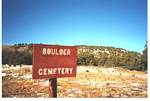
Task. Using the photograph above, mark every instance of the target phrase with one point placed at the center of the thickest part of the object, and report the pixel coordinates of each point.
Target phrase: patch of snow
(72, 81)
(140, 76)
(70, 95)
(3, 74)
(29, 76)
(135, 84)
(44, 82)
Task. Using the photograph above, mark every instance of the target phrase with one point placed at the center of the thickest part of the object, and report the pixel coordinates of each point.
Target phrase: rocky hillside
(108, 57)
(87, 55)
(96, 50)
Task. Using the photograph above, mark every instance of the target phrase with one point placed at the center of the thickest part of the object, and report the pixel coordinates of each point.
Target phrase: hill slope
(87, 55)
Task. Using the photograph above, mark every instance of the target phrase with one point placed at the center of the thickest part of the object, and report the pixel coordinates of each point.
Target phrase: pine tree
(144, 58)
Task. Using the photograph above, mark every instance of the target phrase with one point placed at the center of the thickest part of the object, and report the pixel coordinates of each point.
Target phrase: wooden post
(38, 85)
(53, 87)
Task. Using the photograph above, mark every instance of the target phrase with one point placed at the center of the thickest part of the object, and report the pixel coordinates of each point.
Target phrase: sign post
(53, 87)
(52, 62)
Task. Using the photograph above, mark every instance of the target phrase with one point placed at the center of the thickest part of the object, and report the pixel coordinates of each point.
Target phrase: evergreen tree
(144, 58)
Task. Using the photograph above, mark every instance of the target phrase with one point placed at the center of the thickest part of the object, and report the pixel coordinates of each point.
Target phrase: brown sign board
(54, 61)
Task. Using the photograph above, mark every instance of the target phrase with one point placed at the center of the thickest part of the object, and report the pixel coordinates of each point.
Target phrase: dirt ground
(90, 82)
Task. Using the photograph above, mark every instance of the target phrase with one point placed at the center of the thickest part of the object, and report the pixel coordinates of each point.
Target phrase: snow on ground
(90, 81)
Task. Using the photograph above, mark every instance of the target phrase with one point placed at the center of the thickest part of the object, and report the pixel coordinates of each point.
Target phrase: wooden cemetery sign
(54, 61)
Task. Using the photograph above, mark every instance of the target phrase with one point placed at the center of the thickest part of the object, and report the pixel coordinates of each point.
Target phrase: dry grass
(90, 82)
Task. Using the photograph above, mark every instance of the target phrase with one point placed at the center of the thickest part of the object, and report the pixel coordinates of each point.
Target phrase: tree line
(130, 60)
(22, 54)
(17, 54)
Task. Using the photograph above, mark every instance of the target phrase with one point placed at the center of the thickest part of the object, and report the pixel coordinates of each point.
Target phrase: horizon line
(76, 45)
